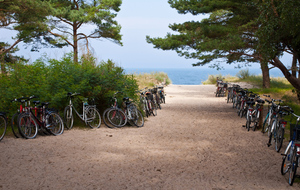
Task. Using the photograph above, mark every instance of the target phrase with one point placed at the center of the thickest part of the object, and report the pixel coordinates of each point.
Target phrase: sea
(197, 75)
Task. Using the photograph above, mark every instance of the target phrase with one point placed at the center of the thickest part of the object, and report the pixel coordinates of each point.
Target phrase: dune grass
(151, 79)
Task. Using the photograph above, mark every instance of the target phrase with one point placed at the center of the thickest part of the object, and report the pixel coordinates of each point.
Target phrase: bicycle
(221, 88)
(114, 116)
(249, 114)
(278, 127)
(90, 115)
(150, 103)
(134, 116)
(242, 106)
(290, 159)
(144, 102)
(3, 124)
(14, 120)
(162, 95)
(257, 112)
(268, 118)
(36, 119)
(156, 98)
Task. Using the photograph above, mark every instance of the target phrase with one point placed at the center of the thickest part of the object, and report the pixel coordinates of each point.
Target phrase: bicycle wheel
(27, 126)
(3, 126)
(68, 117)
(248, 123)
(256, 120)
(271, 133)
(106, 120)
(139, 119)
(279, 138)
(286, 160)
(294, 165)
(264, 126)
(54, 124)
(146, 109)
(116, 117)
(14, 125)
(154, 109)
(228, 97)
(93, 117)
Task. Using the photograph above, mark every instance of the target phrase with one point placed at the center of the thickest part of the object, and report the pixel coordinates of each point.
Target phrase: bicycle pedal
(244, 125)
(269, 144)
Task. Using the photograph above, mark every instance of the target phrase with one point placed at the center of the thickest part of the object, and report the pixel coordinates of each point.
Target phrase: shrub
(52, 79)
(243, 74)
(212, 79)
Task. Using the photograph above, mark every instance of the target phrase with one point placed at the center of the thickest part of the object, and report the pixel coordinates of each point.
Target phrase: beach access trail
(195, 142)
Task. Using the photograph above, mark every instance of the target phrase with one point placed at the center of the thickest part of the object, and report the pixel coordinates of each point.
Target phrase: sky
(138, 18)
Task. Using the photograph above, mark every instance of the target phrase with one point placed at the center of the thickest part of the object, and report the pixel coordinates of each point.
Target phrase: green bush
(212, 79)
(51, 80)
(243, 74)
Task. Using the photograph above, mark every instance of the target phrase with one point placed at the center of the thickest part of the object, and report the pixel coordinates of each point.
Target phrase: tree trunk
(75, 44)
(295, 82)
(294, 66)
(265, 75)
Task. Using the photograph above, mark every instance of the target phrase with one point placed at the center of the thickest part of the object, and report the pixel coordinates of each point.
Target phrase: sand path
(195, 142)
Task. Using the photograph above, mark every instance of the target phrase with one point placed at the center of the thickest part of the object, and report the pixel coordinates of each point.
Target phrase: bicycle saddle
(36, 102)
(250, 103)
(260, 101)
(126, 99)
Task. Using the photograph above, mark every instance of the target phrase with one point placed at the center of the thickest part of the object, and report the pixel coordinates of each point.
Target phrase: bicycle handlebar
(73, 94)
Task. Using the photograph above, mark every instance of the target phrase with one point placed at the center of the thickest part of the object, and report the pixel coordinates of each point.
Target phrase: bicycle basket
(295, 129)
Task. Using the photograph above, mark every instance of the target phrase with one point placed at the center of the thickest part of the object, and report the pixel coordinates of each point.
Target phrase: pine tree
(68, 16)
(228, 33)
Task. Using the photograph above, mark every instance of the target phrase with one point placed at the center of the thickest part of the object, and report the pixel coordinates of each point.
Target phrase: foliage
(279, 33)
(69, 16)
(243, 74)
(212, 79)
(227, 33)
(151, 79)
(28, 18)
(52, 79)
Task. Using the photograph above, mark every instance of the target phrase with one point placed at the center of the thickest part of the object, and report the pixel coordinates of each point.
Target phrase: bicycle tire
(294, 165)
(27, 126)
(68, 117)
(116, 117)
(139, 120)
(93, 117)
(14, 125)
(279, 138)
(3, 126)
(263, 129)
(271, 133)
(248, 123)
(105, 119)
(146, 109)
(285, 166)
(154, 109)
(54, 124)
(228, 98)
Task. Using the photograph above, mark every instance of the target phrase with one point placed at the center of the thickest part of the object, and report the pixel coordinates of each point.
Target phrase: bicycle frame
(84, 107)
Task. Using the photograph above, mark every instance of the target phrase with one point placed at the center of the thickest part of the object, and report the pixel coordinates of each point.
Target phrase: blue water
(196, 75)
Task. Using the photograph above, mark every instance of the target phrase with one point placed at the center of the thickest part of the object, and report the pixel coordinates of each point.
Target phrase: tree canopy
(238, 31)
(227, 33)
(68, 16)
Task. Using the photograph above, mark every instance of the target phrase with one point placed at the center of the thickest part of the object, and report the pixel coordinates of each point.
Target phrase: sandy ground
(195, 142)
